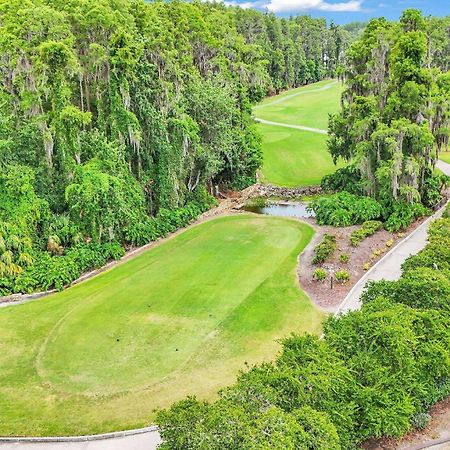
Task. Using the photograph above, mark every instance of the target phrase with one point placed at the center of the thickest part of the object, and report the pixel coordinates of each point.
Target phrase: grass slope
(179, 319)
(295, 157)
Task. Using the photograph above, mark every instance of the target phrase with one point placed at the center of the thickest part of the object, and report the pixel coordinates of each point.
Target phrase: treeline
(395, 116)
(375, 373)
(115, 112)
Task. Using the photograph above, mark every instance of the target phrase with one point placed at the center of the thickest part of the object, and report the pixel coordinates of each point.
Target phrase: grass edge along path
(84, 360)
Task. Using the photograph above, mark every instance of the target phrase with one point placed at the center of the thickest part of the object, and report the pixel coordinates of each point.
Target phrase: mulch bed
(329, 297)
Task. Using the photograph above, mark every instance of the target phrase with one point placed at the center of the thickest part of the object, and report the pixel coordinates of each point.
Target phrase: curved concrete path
(389, 267)
(149, 440)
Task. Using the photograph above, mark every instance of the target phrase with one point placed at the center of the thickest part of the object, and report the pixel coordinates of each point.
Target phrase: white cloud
(282, 6)
(244, 5)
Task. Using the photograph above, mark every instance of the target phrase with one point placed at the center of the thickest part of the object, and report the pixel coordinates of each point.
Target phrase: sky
(344, 11)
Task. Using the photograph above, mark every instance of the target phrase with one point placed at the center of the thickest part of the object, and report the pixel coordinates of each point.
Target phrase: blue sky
(344, 11)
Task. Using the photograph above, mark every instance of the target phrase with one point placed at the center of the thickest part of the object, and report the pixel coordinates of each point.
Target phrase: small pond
(281, 209)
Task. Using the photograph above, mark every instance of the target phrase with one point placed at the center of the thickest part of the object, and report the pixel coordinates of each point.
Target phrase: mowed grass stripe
(310, 109)
(295, 157)
(179, 319)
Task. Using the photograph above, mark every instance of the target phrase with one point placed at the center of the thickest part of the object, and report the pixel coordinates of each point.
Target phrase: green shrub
(400, 358)
(403, 214)
(345, 179)
(325, 249)
(419, 288)
(446, 213)
(432, 189)
(256, 202)
(167, 221)
(320, 275)
(367, 229)
(342, 276)
(439, 230)
(344, 209)
(344, 258)
(435, 255)
(50, 272)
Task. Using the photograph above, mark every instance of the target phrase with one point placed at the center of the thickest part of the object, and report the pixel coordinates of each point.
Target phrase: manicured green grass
(310, 108)
(179, 319)
(445, 156)
(295, 157)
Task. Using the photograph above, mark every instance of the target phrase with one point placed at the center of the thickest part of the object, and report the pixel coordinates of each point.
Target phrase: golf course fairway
(179, 319)
(294, 157)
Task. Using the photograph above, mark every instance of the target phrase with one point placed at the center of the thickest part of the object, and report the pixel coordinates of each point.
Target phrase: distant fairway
(295, 157)
(179, 319)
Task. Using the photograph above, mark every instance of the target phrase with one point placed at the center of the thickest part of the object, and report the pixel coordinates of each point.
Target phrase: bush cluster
(167, 221)
(320, 274)
(50, 272)
(367, 229)
(345, 179)
(325, 249)
(375, 373)
(436, 254)
(344, 209)
(403, 214)
(342, 276)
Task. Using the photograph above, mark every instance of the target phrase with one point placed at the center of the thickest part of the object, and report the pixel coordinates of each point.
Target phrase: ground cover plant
(289, 154)
(324, 249)
(344, 209)
(179, 319)
(366, 229)
(375, 373)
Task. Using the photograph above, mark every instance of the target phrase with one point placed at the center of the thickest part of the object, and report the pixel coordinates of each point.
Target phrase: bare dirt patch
(329, 293)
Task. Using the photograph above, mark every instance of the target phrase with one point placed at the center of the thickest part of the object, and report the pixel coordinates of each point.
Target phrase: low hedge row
(367, 229)
(48, 272)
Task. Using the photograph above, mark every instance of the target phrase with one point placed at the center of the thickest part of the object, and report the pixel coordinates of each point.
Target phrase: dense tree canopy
(115, 110)
(395, 116)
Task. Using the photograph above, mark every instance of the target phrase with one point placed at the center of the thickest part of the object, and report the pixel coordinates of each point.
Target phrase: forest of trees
(119, 116)
(395, 116)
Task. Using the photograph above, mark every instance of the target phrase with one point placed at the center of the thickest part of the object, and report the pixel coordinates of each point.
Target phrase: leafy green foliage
(367, 229)
(344, 179)
(403, 215)
(395, 111)
(50, 272)
(436, 255)
(419, 288)
(324, 249)
(344, 209)
(320, 274)
(344, 258)
(342, 276)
